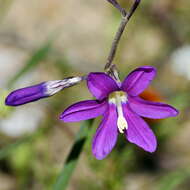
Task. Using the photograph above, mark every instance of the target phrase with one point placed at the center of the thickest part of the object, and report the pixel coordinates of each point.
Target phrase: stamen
(122, 124)
(117, 98)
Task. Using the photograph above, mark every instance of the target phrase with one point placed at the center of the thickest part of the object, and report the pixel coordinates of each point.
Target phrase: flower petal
(84, 110)
(106, 135)
(138, 80)
(152, 110)
(100, 85)
(138, 131)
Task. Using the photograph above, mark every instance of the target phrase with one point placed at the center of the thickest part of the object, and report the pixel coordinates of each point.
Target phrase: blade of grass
(34, 60)
(71, 162)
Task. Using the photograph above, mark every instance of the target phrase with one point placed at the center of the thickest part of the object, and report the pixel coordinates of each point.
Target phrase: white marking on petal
(52, 87)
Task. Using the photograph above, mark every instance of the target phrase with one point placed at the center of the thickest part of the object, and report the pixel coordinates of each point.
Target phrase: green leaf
(35, 59)
(70, 164)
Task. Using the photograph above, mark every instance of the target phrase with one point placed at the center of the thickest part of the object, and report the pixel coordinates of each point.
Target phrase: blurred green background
(43, 40)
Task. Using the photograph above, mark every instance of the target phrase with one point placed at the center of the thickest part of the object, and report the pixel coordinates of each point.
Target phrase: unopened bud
(42, 90)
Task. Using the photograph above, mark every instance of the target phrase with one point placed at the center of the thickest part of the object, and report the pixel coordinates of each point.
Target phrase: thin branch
(125, 19)
(133, 8)
(117, 6)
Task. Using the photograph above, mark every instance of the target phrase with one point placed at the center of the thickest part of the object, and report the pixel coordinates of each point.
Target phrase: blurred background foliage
(43, 40)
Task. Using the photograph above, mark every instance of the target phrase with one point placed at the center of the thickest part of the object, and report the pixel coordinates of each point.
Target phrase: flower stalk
(109, 67)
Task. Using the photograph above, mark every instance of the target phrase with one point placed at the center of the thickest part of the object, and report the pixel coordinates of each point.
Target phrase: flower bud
(25, 95)
(42, 90)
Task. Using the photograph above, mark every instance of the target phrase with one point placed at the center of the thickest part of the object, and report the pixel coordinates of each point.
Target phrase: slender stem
(117, 6)
(125, 19)
(115, 43)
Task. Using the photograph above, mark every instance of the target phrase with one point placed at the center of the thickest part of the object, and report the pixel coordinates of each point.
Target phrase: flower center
(118, 98)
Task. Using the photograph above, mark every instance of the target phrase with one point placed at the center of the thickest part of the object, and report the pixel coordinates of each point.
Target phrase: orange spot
(151, 94)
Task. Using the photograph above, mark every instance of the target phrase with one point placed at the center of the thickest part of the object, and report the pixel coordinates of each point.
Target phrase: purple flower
(121, 108)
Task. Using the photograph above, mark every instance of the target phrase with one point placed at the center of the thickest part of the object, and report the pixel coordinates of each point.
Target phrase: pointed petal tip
(66, 119)
(148, 67)
(61, 117)
(151, 149)
(175, 112)
(101, 152)
(99, 157)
